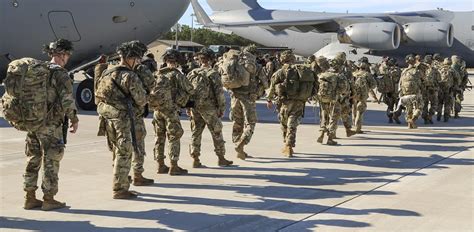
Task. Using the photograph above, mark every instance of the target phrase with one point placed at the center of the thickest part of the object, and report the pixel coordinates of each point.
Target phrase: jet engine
(375, 36)
(428, 34)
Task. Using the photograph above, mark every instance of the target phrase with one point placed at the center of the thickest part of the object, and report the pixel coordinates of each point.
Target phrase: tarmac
(388, 179)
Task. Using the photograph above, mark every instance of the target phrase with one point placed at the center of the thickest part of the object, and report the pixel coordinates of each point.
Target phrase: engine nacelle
(375, 36)
(428, 34)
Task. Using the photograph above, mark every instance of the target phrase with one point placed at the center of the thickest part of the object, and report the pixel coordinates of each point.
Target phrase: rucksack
(99, 69)
(299, 82)
(25, 102)
(201, 83)
(160, 98)
(327, 87)
(233, 74)
(409, 84)
(184, 89)
(361, 83)
(447, 77)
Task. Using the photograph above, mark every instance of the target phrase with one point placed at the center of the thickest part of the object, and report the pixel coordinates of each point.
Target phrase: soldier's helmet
(418, 58)
(206, 52)
(447, 61)
(59, 46)
(322, 63)
(132, 49)
(455, 59)
(437, 57)
(410, 59)
(428, 59)
(252, 48)
(171, 55)
(340, 56)
(363, 63)
(232, 54)
(266, 56)
(392, 61)
(312, 58)
(287, 57)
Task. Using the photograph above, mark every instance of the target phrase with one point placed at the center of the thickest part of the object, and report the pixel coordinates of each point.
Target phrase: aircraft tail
(226, 5)
(201, 14)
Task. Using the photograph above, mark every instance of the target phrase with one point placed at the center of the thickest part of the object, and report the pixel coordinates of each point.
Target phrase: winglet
(201, 15)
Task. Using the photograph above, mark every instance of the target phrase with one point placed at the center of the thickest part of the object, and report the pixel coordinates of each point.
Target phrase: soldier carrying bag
(299, 82)
(234, 75)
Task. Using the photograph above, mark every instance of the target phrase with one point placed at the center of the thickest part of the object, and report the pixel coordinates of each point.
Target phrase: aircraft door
(63, 25)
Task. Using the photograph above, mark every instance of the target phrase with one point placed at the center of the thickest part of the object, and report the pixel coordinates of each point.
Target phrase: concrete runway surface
(389, 179)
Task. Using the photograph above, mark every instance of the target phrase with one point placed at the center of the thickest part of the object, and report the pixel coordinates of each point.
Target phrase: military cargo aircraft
(94, 26)
(372, 35)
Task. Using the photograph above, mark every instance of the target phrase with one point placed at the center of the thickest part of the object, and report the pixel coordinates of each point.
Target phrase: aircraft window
(119, 19)
(15, 4)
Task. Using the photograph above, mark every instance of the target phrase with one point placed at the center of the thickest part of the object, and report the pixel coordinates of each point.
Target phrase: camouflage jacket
(364, 82)
(61, 91)
(112, 103)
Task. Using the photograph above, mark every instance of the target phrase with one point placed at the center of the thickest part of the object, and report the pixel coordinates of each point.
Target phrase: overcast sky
(353, 6)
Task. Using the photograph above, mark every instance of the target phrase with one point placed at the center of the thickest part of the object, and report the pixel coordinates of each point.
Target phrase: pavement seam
(369, 191)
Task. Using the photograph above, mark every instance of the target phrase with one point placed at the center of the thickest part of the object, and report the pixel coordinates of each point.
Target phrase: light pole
(192, 26)
(176, 37)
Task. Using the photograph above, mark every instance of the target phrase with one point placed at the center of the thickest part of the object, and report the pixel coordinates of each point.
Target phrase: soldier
(410, 89)
(150, 62)
(42, 92)
(269, 68)
(331, 82)
(166, 119)
(209, 108)
(243, 100)
(446, 87)
(138, 158)
(363, 83)
(119, 92)
(430, 90)
(462, 80)
(346, 95)
(387, 84)
(291, 86)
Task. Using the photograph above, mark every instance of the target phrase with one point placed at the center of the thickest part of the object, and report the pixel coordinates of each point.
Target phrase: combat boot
(125, 194)
(162, 168)
(240, 152)
(427, 121)
(321, 137)
(176, 170)
(350, 132)
(438, 117)
(139, 180)
(456, 114)
(331, 141)
(196, 162)
(49, 203)
(287, 151)
(223, 162)
(30, 200)
(446, 118)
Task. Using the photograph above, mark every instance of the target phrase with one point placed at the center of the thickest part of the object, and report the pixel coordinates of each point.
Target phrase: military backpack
(233, 74)
(299, 82)
(327, 87)
(25, 102)
(201, 81)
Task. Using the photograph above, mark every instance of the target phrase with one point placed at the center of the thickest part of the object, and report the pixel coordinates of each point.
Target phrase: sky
(352, 6)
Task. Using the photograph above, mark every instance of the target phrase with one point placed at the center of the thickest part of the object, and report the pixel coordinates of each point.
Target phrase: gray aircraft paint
(228, 12)
(26, 25)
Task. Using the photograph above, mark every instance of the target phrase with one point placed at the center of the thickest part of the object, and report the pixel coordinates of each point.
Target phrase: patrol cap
(252, 48)
(132, 49)
(59, 46)
(206, 52)
(171, 54)
(287, 56)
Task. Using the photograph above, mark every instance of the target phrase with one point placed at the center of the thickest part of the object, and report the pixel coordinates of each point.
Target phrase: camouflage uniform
(430, 89)
(364, 82)
(290, 111)
(411, 84)
(112, 107)
(207, 111)
(462, 79)
(45, 145)
(388, 86)
(329, 107)
(345, 100)
(447, 85)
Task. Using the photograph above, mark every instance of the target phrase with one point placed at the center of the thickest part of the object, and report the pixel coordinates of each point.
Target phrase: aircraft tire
(85, 95)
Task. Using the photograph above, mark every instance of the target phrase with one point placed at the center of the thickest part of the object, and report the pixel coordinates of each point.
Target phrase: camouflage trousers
(430, 106)
(45, 147)
(167, 125)
(360, 106)
(330, 113)
(244, 115)
(289, 115)
(139, 159)
(445, 99)
(346, 112)
(120, 140)
(200, 118)
(391, 100)
(413, 105)
(459, 98)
